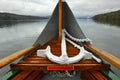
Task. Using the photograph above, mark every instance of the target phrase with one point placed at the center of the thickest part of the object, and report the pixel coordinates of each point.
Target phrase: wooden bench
(43, 64)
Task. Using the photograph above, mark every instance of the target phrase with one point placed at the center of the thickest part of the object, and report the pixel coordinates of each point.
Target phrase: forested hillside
(10, 16)
(107, 16)
(112, 18)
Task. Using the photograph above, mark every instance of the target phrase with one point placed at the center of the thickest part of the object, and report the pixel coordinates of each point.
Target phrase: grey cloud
(29, 7)
(93, 7)
(43, 8)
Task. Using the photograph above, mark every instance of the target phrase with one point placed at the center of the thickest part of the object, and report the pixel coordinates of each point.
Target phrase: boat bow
(64, 59)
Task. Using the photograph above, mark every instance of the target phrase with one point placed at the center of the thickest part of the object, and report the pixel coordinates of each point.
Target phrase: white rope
(76, 39)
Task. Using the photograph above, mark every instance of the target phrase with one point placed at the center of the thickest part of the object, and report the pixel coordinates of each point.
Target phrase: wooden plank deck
(93, 75)
(37, 64)
(28, 75)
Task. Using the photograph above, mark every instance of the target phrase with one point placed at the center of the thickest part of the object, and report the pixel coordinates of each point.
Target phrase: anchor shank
(63, 46)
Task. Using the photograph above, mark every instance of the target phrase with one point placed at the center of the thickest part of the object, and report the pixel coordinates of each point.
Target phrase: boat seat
(38, 63)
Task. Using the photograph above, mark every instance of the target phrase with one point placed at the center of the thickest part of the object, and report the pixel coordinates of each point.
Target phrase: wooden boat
(65, 38)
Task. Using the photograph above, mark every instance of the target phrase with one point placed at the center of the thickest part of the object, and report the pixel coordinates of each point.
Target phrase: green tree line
(10, 16)
(112, 18)
(108, 16)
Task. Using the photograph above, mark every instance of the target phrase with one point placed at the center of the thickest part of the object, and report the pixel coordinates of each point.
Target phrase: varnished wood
(44, 66)
(28, 75)
(39, 77)
(98, 75)
(16, 55)
(85, 75)
(55, 45)
(93, 75)
(46, 61)
(22, 75)
(34, 62)
(60, 19)
(105, 55)
(33, 75)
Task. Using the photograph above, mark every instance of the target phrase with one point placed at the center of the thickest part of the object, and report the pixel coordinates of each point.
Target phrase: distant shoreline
(7, 19)
(108, 16)
(12, 16)
(8, 23)
(112, 18)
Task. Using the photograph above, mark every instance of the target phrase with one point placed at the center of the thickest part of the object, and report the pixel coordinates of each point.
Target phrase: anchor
(64, 59)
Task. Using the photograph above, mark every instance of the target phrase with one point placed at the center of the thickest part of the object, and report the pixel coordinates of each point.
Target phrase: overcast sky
(46, 7)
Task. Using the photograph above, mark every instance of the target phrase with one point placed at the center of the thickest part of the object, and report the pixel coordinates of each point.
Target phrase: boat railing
(9, 59)
(115, 61)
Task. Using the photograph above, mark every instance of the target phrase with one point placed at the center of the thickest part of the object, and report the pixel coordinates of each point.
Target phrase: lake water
(17, 36)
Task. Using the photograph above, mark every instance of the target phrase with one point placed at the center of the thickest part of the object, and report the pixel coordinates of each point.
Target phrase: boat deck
(32, 66)
(33, 62)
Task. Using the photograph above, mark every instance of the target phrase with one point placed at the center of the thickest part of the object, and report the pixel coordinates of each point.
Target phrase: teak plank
(28, 75)
(44, 66)
(93, 75)
(98, 75)
(22, 75)
(85, 75)
(46, 61)
(39, 77)
(33, 75)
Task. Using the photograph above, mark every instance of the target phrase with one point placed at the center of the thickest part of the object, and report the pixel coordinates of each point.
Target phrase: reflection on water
(115, 22)
(106, 37)
(19, 36)
(102, 35)
(15, 37)
(8, 23)
(14, 31)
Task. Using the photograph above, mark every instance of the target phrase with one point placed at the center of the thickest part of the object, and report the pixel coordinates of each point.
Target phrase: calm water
(17, 36)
